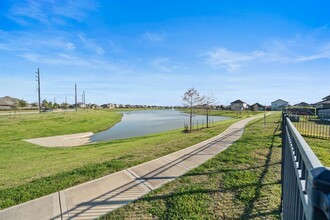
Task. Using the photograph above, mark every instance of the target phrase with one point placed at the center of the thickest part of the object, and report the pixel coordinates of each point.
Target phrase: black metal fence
(312, 125)
(305, 181)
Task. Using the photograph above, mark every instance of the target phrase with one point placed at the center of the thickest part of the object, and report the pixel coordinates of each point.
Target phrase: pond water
(138, 123)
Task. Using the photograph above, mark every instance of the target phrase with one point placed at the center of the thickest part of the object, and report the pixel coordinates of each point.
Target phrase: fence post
(318, 190)
(283, 135)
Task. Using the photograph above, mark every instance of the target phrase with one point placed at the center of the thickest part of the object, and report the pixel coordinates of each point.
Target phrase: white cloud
(322, 53)
(50, 12)
(71, 60)
(289, 51)
(91, 44)
(222, 57)
(164, 64)
(24, 41)
(154, 36)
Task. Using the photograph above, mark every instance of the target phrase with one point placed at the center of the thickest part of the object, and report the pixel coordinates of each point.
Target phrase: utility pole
(39, 99)
(84, 100)
(75, 86)
(265, 116)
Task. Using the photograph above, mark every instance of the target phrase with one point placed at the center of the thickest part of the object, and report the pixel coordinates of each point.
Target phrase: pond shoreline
(140, 123)
(152, 122)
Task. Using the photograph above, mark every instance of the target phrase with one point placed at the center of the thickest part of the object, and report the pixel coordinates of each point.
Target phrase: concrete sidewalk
(95, 198)
(68, 140)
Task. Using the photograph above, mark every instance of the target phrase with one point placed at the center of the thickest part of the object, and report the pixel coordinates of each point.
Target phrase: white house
(279, 104)
(238, 105)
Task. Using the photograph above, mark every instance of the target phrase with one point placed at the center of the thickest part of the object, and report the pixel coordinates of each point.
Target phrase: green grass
(321, 148)
(310, 128)
(21, 162)
(29, 171)
(228, 113)
(242, 182)
(317, 135)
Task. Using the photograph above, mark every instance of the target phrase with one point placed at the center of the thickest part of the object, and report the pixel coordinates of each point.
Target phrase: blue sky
(151, 52)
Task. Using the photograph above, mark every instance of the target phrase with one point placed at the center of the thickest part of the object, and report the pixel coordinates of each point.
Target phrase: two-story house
(279, 104)
(238, 105)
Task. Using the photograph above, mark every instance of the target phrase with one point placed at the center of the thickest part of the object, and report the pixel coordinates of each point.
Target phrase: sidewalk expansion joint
(59, 201)
(140, 179)
(178, 164)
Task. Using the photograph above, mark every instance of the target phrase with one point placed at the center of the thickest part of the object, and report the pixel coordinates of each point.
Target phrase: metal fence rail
(312, 125)
(305, 181)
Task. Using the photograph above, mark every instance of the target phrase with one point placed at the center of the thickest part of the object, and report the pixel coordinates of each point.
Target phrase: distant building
(302, 104)
(324, 104)
(279, 104)
(7, 102)
(108, 105)
(238, 105)
(257, 107)
(94, 106)
(4, 105)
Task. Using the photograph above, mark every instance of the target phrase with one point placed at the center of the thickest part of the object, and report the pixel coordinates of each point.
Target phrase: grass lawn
(317, 135)
(21, 161)
(309, 126)
(321, 148)
(242, 182)
(229, 113)
(29, 171)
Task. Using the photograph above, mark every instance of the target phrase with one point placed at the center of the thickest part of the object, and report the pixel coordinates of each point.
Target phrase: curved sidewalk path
(92, 199)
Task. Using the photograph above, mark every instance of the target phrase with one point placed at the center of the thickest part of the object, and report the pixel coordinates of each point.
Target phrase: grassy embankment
(242, 182)
(29, 171)
(228, 113)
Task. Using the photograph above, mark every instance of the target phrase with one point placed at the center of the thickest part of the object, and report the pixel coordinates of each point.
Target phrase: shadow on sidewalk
(255, 208)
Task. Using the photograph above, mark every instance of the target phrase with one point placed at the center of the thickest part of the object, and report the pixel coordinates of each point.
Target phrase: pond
(138, 123)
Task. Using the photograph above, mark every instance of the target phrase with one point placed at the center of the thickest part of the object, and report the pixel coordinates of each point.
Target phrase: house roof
(302, 104)
(323, 102)
(238, 101)
(327, 97)
(257, 104)
(281, 100)
(9, 100)
(4, 103)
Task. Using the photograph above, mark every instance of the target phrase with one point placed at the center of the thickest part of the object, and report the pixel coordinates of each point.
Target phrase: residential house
(7, 102)
(109, 105)
(324, 104)
(35, 105)
(279, 104)
(94, 106)
(80, 105)
(238, 105)
(257, 107)
(4, 105)
(302, 104)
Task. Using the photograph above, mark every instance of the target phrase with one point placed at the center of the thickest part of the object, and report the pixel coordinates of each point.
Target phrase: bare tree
(190, 99)
(14, 107)
(21, 104)
(207, 103)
